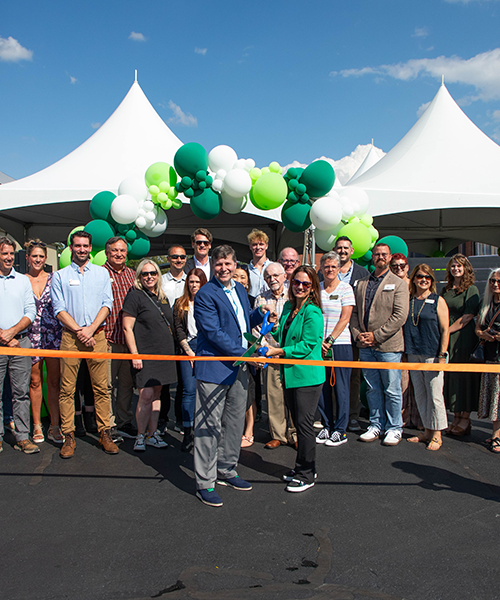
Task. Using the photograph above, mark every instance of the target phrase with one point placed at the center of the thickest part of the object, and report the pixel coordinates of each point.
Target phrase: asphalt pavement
(381, 523)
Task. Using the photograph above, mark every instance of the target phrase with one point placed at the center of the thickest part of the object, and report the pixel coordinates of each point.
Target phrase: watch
(443, 355)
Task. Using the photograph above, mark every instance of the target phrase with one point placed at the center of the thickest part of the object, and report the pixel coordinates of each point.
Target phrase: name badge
(74, 282)
(355, 283)
(429, 301)
(334, 297)
(389, 287)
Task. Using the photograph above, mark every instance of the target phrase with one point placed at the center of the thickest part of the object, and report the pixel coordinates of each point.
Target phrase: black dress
(152, 336)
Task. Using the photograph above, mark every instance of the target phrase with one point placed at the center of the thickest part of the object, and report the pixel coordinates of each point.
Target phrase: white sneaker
(371, 434)
(318, 425)
(139, 445)
(392, 437)
(322, 436)
(156, 440)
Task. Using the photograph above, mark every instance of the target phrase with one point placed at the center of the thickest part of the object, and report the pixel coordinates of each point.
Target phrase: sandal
(434, 441)
(460, 431)
(494, 445)
(418, 438)
(38, 433)
(54, 434)
(247, 441)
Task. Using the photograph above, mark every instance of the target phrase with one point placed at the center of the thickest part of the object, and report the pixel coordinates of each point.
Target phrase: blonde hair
(138, 283)
(256, 235)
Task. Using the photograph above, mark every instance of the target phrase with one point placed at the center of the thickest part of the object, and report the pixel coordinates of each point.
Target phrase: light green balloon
(177, 203)
(360, 237)
(99, 258)
(269, 191)
(158, 172)
(79, 228)
(275, 167)
(367, 220)
(65, 258)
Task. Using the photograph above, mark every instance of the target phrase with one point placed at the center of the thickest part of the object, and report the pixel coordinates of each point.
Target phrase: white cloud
(345, 167)
(137, 37)
(73, 79)
(481, 71)
(180, 117)
(202, 51)
(422, 109)
(496, 115)
(420, 32)
(12, 51)
(95, 125)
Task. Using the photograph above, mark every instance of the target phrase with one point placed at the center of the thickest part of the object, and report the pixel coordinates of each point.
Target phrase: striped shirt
(333, 303)
(121, 282)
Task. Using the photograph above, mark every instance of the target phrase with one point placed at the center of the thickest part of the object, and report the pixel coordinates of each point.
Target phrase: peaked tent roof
(444, 162)
(371, 159)
(5, 178)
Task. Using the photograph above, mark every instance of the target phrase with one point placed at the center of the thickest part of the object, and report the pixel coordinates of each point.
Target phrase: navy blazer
(219, 332)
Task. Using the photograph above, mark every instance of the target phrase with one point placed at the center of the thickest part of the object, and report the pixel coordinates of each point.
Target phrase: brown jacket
(388, 313)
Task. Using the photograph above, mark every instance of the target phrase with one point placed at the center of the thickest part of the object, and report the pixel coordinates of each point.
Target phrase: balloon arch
(220, 181)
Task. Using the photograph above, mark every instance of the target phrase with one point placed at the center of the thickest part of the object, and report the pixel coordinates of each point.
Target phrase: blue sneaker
(236, 483)
(209, 497)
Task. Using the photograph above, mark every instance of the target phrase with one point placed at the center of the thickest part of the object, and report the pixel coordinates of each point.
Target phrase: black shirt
(371, 290)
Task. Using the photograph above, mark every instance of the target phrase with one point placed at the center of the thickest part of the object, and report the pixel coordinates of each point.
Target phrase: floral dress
(45, 332)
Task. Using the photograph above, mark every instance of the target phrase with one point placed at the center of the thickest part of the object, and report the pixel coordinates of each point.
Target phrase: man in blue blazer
(222, 312)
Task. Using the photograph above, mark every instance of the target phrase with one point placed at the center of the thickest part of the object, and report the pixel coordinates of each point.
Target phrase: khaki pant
(276, 409)
(98, 369)
(121, 387)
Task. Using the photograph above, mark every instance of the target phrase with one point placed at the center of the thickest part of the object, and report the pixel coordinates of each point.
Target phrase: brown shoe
(27, 447)
(107, 442)
(68, 448)
(273, 444)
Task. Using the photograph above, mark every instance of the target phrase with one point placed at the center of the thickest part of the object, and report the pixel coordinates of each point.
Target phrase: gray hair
(330, 256)
(274, 264)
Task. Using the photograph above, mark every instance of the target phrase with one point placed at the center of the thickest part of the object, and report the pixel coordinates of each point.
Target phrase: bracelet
(330, 339)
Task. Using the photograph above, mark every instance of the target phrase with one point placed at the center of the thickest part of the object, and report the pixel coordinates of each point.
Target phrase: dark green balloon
(319, 178)
(206, 204)
(395, 243)
(100, 205)
(100, 231)
(189, 159)
(140, 246)
(295, 216)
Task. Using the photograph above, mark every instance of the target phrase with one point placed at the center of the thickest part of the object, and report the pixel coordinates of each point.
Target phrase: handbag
(477, 355)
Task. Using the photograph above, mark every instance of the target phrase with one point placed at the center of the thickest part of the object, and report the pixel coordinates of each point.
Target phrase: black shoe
(89, 420)
(188, 441)
(127, 431)
(115, 436)
(80, 430)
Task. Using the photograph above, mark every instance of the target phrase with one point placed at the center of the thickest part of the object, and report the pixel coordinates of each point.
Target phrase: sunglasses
(149, 274)
(177, 256)
(202, 243)
(495, 281)
(399, 267)
(423, 277)
(305, 284)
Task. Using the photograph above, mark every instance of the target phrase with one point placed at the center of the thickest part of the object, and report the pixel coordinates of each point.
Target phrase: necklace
(413, 320)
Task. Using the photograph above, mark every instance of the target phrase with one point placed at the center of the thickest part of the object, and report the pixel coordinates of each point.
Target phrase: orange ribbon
(452, 367)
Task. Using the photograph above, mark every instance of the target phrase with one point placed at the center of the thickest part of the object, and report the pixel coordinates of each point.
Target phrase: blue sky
(275, 80)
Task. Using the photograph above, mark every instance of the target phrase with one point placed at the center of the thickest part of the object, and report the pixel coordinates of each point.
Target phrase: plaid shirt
(268, 297)
(121, 282)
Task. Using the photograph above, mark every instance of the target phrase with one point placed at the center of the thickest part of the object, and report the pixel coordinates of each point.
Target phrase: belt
(20, 336)
(98, 330)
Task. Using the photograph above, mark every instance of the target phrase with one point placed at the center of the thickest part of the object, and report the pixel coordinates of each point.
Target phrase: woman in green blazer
(300, 335)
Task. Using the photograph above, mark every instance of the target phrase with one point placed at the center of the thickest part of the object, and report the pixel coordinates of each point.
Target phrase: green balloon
(98, 258)
(139, 247)
(295, 216)
(269, 191)
(189, 159)
(79, 228)
(159, 172)
(438, 254)
(131, 235)
(65, 258)
(100, 205)
(373, 233)
(359, 236)
(319, 178)
(100, 231)
(177, 203)
(206, 204)
(395, 243)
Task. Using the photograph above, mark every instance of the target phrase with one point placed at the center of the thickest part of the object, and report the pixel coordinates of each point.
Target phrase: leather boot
(107, 443)
(68, 448)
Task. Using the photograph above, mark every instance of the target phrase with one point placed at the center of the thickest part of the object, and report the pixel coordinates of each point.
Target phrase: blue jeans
(188, 388)
(385, 400)
(342, 394)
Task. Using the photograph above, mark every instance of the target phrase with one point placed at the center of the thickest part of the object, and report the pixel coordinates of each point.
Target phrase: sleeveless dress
(45, 332)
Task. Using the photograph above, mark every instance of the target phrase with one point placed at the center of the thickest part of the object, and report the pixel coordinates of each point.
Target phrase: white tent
(371, 159)
(440, 185)
(49, 203)
(5, 178)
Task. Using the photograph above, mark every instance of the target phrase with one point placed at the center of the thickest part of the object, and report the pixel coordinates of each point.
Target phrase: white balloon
(124, 209)
(240, 163)
(150, 216)
(221, 173)
(326, 213)
(232, 205)
(158, 226)
(347, 210)
(135, 187)
(358, 195)
(148, 205)
(217, 185)
(222, 157)
(140, 222)
(326, 239)
(142, 212)
(237, 183)
(249, 164)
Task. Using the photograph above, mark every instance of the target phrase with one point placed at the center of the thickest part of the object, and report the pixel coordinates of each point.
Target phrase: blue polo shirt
(16, 299)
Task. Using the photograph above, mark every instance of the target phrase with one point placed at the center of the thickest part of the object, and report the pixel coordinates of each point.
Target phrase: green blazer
(303, 341)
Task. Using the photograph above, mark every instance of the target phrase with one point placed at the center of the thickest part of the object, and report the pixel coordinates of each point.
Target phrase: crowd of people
(211, 306)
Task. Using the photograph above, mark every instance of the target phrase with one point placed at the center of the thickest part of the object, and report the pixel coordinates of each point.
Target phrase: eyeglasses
(495, 281)
(398, 267)
(381, 255)
(330, 268)
(274, 276)
(423, 277)
(288, 262)
(305, 284)
(177, 256)
(149, 274)
(202, 243)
